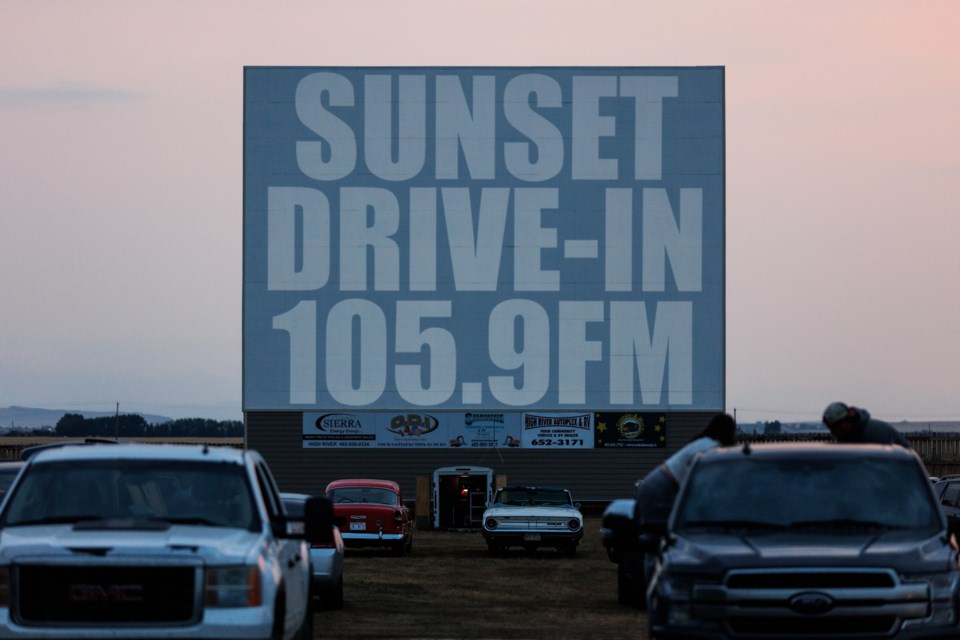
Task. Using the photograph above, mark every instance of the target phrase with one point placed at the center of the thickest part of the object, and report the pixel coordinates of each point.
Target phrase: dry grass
(450, 587)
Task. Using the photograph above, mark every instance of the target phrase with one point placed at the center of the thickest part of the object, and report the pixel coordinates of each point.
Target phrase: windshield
(369, 495)
(797, 493)
(7, 476)
(533, 497)
(215, 494)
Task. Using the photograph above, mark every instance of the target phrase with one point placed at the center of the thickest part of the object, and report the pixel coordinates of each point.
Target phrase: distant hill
(33, 418)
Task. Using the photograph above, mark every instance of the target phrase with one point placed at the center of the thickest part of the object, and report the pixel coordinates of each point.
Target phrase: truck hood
(713, 553)
(213, 545)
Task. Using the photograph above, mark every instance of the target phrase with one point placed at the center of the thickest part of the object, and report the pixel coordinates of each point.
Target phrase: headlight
(943, 589)
(233, 587)
(675, 592)
(574, 524)
(677, 586)
(491, 523)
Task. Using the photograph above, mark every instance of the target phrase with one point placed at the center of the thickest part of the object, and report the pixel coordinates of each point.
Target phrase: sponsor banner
(355, 430)
(413, 429)
(408, 429)
(484, 429)
(558, 430)
(647, 430)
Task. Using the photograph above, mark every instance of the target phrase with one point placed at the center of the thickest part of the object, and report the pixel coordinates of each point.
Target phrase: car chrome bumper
(349, 537)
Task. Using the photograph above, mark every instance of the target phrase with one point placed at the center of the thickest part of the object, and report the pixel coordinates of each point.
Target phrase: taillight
(397, 516)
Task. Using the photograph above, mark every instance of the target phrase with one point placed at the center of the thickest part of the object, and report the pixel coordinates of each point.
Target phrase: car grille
(58, 595)
(811, 603)
(532, 523)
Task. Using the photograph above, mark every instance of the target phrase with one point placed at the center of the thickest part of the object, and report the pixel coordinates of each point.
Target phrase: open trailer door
(460, 495)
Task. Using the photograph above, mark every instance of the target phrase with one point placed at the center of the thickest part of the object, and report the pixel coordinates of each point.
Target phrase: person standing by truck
(658, 489)
(852, 425)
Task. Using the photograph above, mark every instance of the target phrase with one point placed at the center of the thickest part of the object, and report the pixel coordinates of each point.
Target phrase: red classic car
(371, 513)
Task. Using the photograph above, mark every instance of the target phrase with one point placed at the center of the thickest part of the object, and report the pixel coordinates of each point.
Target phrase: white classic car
(532, 517)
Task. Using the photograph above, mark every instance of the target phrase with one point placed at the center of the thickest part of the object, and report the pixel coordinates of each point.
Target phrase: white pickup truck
(154, 541)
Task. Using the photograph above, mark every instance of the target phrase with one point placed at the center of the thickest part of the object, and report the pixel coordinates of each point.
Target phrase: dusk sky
(121, 183)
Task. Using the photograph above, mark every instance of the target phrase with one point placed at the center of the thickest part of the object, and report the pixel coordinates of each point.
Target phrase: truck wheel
(630, 588)
(279, 610)
(306, 627)
(335, 596)
(624, 585)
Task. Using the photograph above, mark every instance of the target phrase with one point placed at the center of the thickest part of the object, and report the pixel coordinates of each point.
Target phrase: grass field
(450, 587)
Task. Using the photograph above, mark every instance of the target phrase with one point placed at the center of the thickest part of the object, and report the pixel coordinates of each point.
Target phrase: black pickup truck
(796, 541)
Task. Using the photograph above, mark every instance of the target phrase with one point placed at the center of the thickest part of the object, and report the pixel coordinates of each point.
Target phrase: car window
(7, 476)
(294, 508)
(533, 497)
(788, 493)
(950, 494)
(178, 492)
(269, 490)
(361, 495)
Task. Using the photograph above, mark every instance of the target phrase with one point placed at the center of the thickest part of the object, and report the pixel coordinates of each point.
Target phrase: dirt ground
(450, 587)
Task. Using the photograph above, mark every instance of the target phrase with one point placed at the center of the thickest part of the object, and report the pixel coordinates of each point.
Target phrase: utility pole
(117, 424)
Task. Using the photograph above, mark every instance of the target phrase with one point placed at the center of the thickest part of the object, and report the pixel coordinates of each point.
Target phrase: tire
(306, 627)
(279, 610)
(409, 547)
(494, 549)
(400, 549)
(630, 588)
(624, 586)
(333, 597)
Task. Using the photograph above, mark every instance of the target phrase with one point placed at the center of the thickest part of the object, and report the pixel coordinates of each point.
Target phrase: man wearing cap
(855, 426)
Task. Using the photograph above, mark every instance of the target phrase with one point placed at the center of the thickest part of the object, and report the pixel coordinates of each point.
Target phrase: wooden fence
(940, 452)
(10, 448)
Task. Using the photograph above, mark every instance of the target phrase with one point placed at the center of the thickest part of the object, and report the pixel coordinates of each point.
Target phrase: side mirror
(618, 516)
(318, 520)
(618, 528)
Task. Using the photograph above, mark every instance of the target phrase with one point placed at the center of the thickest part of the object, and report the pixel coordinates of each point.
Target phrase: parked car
(947, 491)
(803, 541)
(326, 558)
(154, 540)
(532, 517)
(371, 513)
(8, 473)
